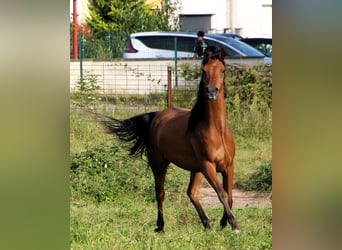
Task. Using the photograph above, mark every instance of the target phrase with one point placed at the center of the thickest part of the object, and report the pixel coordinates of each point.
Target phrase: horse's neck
(216, 114)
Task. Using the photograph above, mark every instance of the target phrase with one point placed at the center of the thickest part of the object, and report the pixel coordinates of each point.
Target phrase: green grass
(251, 153)
(129, 224)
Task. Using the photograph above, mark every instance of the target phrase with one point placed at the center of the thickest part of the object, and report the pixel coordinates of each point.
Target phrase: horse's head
(213, 67)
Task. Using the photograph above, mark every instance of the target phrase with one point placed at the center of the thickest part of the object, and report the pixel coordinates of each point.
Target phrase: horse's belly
(169, 131)
(179, 151)
(187, 164)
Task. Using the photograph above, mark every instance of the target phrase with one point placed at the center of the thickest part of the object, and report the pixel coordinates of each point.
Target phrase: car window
(167, 42)
(229, 52)
(186, 44)
(157, 42)
(265, 48)
(244, 48)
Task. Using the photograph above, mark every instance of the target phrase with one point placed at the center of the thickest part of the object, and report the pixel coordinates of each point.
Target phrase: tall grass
(250, 121)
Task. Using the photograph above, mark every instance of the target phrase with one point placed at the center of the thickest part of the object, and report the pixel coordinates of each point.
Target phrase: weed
(88, 83)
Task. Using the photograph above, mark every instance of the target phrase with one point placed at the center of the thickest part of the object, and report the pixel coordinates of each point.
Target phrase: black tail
(134, 129)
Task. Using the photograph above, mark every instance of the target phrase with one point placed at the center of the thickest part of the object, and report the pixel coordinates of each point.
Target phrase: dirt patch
(241, 198)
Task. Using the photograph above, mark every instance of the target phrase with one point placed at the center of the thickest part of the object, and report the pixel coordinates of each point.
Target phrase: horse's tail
(134, 130)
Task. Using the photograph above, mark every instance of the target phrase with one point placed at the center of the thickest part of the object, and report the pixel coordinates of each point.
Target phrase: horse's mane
(198, 110)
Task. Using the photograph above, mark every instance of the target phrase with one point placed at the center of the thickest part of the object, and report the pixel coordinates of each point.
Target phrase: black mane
(197, 112)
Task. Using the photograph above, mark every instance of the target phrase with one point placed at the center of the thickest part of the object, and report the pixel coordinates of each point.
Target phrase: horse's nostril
(211, 89)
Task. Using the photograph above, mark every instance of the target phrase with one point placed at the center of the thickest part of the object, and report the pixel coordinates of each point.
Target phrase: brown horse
(197, 140)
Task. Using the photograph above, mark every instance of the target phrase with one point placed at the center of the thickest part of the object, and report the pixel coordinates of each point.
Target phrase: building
(248, 18)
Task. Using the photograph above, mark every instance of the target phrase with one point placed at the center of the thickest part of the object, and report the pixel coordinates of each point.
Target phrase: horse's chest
(211, 146)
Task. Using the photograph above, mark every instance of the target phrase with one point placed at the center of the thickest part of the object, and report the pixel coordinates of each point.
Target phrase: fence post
(176, 49)
(169, 86)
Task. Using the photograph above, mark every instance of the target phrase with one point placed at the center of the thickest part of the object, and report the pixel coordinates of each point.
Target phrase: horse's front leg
(227, 182)
(209, 172)
(193, 193)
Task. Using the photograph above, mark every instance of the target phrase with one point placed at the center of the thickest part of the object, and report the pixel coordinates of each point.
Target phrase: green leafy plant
(260, 180)
(250, 82)
(103, 172)
(190, 71)
(88, 83)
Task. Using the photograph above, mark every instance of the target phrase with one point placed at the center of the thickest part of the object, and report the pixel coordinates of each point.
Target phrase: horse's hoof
(207, 225)
(237, 231)
(223, 224)
(159, 230)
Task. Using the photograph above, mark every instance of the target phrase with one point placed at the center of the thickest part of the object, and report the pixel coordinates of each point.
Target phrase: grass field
(128, 223)
(113, 206)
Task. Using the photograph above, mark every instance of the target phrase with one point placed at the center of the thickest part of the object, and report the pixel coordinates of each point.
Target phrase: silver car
(146, 45)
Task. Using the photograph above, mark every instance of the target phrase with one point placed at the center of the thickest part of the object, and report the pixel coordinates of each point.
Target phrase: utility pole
(75, 42)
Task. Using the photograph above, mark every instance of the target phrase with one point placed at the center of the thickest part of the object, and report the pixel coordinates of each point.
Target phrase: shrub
(102, 173)
(260, 180)
(249, 83)
(190, 72)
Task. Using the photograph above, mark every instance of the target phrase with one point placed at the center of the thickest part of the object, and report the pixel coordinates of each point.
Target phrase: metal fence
(147, 82)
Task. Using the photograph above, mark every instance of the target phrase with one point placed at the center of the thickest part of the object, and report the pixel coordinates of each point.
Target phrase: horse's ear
(207, 54)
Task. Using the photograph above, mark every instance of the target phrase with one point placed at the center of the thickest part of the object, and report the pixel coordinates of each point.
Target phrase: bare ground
(241, 198)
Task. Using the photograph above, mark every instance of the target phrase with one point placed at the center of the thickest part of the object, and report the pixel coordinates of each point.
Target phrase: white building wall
(252, 18)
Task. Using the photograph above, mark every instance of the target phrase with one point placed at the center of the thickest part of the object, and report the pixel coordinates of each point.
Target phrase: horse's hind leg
(193, 193)
(210, 173)
(159, 172)
(227, 181)
(159, 179)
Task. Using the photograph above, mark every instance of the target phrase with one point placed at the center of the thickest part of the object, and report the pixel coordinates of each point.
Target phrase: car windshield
(242, 47)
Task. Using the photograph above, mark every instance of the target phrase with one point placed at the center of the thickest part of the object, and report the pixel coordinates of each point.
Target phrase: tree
(133, 15)
(166, 15)
(112, 21)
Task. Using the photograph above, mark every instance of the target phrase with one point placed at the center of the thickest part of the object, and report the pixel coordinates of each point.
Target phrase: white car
(162, 45)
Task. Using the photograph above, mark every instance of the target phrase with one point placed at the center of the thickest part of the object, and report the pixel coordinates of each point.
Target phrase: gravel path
(241, 198)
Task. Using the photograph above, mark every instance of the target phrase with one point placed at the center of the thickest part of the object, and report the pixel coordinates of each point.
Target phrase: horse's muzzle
(211, 93)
